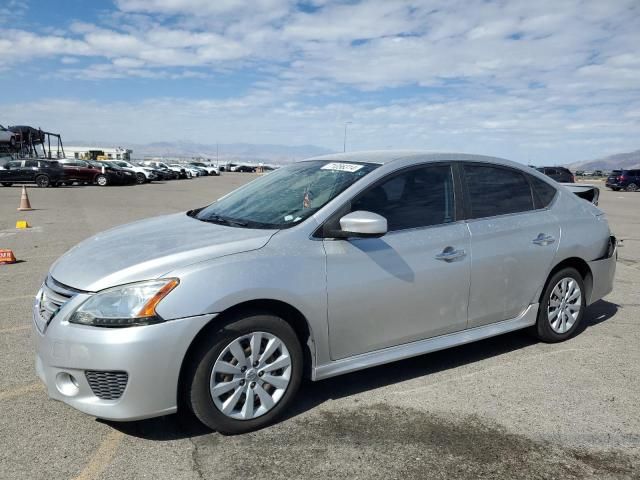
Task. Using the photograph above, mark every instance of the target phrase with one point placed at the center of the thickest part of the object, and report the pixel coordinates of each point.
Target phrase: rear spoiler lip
(588, 192)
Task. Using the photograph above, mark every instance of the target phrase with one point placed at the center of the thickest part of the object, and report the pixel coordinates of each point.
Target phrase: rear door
(513, 242)
(29, 171)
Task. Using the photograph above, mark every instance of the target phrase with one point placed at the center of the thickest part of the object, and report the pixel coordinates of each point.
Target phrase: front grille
(54, 296)
(107, 385)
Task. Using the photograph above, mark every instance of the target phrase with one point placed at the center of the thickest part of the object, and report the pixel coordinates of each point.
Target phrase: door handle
(544, 239)
(450, 253)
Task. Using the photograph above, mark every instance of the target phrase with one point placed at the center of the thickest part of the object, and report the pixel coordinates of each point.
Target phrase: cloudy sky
(544, 81)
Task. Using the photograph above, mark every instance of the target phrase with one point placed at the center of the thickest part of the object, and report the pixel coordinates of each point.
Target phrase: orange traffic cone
(25, 205)
(7, 256)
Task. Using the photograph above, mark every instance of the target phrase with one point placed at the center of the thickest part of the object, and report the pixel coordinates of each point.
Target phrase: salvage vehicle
(628, 180)
(44, 173)
(80, 171)
(323, 267)
(143, 175)
(559, 174)
(7, 136)
(110, 174)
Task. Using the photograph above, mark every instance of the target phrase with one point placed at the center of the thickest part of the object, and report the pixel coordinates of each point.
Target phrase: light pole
(344, 145)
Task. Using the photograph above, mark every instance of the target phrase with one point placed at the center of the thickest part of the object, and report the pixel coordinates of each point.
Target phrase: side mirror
(363, 225)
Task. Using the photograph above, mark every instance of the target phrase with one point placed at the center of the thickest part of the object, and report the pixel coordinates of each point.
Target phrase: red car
(79, 171)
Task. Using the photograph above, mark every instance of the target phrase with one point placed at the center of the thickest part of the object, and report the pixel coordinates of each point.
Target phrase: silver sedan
(320, 268)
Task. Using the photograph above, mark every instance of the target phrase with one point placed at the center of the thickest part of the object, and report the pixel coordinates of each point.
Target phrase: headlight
(126, 305)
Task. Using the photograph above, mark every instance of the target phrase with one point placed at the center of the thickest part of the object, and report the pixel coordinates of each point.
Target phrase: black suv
(43, 173)
(628, 180)
(559, 174)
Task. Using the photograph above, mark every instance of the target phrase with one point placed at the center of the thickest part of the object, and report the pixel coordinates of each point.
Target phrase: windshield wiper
(223, 220)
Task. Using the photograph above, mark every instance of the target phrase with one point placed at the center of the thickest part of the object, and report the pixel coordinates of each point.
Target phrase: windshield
(285, 197)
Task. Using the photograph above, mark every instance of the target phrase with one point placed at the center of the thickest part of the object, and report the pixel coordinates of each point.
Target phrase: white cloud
(507, 76)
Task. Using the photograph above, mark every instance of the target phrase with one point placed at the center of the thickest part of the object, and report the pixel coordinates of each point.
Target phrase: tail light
(573, 178)
(621, 178)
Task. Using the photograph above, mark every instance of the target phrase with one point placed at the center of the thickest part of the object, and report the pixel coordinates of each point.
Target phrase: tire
(632, 187)
(140, 178)
(556, 327)
(12, 142)
(42, 181)
(6, 184)
(102, 180)
(212, 353)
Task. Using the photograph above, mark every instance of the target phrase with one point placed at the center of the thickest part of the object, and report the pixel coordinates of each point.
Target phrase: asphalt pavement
(507, 407)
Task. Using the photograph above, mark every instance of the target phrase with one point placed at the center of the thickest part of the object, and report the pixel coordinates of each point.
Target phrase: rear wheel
(244, 374)
(42, 181)
(562, 306)
(632, 187)
(6, 184)
(102, 180)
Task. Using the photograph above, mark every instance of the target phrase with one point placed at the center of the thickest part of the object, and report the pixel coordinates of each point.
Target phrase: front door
(412, 283)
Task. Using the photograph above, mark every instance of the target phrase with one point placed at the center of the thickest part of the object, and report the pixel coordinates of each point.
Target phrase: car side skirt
(392, 354)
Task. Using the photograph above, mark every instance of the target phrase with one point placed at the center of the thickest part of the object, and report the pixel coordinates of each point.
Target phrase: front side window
(13, 165)
(495, 190)
(285, 197)
(418, 197)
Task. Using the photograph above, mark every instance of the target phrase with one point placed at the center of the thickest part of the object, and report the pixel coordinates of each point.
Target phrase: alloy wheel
(565, 303)
(250, 376)
(632, 187)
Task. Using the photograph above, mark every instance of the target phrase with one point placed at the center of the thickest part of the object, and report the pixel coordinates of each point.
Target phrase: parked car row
(45, 173)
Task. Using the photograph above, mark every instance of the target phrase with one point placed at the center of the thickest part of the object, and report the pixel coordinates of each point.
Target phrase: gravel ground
(507, 407)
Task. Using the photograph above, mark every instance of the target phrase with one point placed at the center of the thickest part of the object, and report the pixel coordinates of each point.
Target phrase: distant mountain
(616, 161)
(227, 152)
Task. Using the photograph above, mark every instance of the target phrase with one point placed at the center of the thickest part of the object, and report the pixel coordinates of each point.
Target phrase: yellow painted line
(17, 297)
(15, 329)
(102, 456)
(17, 392)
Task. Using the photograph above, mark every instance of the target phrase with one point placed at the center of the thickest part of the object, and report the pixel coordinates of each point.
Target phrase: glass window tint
(496, 191)
(31, 163)
(544, 192)
(416, 198)
(14, 165)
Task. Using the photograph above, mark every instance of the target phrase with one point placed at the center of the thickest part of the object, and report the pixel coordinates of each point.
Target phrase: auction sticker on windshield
(342, 167)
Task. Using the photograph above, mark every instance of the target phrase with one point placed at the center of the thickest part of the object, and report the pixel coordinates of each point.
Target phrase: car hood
(149, 249)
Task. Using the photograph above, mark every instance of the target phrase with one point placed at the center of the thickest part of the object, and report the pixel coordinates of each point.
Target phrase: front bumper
(151, 356)
(603, 272)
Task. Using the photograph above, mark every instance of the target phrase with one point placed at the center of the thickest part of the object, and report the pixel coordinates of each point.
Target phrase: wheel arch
(284, 310)
(581, 266)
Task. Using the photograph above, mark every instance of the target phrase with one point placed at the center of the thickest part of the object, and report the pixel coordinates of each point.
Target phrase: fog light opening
(67, 384)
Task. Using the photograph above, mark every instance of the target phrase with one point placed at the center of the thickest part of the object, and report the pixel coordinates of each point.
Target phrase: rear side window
(496, 190)
(543, 192)
(418, 197)
(31, 163)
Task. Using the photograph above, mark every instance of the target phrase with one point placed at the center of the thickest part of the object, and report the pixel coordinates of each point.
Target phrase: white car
(211, 169)
(7, 136)
(143, 175)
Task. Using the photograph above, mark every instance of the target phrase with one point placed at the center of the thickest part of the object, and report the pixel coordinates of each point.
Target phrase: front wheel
(6, 184)
(244, 374)
(140, 178)
(42, 181)
(632, 187)
(562, 306)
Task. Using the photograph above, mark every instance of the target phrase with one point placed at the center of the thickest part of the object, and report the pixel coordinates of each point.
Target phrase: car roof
(383, 157)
